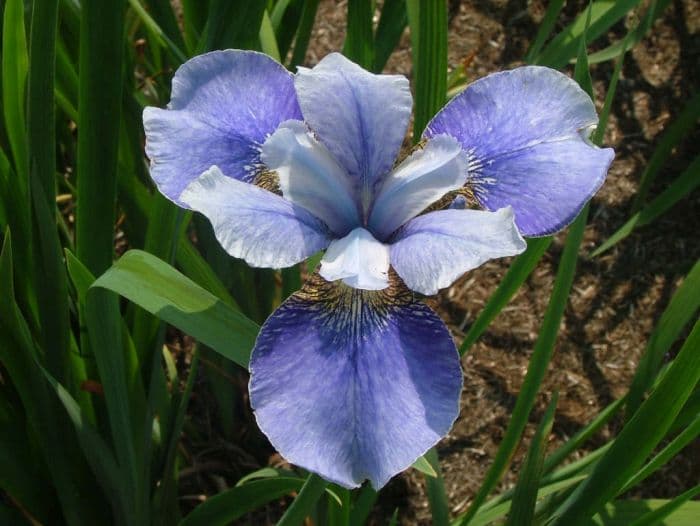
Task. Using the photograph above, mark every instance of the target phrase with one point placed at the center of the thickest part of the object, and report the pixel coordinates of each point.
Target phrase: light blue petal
(420, 180)
(525, 132)
(224, 105)
(359, 260)
(253, 224)
(310, 177)
(361, 117)
(354, 385)
(433, 250)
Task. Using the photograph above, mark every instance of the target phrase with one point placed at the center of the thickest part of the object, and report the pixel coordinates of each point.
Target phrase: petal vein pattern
(525, 132)
(374, 377)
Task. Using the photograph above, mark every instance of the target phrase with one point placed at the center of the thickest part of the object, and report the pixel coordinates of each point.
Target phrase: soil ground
(616, 298)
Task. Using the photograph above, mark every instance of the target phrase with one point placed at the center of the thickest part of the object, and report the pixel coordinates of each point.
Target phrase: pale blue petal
(420, 180)
(224, 105)
(359, 260)
(361, 117)
(526, 134)
(354, 385)
(431, 251)
(253, 224)
(310, 177)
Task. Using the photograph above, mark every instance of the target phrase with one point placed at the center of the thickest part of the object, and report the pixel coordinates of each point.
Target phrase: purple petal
(526, 132)
(420, 180)
(224, 104)
(433, 250)
(361, 117)
(310, 176)
(253, 224)
(354, 385)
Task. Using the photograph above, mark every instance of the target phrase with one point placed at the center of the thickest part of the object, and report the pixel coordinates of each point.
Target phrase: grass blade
(680, 310)
(525, 494)
(231, 504)
(363, 504)
(518, 272)
(428, 22)
(684, 184)
(101, 50)
(359, 40)
(392, 23)
(666, 510)
(639, 437)
(301, 507)
(301, 42)
(435, 488)
(672, 136)
(545, 29)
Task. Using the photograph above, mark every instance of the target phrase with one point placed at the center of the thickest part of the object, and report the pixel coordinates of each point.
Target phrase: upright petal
(224, 104)
(361, 117)
(352, 384)
(433, 250)
(526, 133)
(310, 177)
(253, 224)
(359, 260)
(420, 180)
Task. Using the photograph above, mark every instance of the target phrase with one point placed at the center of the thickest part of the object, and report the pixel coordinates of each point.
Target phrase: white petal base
(359, 260)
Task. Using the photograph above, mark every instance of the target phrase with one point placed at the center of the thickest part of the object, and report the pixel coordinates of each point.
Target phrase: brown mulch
(616, 299)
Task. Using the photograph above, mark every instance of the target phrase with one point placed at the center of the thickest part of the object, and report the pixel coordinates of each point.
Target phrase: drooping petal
(420, 180)
(431, 251)
(253, 224)
(526, 134)
(353, 384)
(310, 177)
(224, 104)
(359, 260)
(361, 117)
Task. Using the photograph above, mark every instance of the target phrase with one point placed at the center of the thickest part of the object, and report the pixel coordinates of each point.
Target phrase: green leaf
(424, 466)
(301, 507)
(15, 64)
(523, 507)
(392, 23)
(682, 308)
(359, 39)
(518, 272)
(564, 47)
(545, 29)
(639, 437)
(303, 35)
(435, 488)
(163, 291)
(268, 41)
(678, 511)
(428, 22)
(672, 136)
(362, 507)
(231, 504)
(684, 184)
(101, 50)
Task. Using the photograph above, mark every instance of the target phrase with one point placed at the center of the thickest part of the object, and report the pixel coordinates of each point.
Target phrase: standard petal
(361, 117)
(224, 105)
(420, 180)
(354, 385)
(526, 132)
(433, 250)
(253, 224)
(359, 260)
(310, 177)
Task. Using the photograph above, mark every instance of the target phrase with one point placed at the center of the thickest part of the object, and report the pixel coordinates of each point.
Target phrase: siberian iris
(354, 377)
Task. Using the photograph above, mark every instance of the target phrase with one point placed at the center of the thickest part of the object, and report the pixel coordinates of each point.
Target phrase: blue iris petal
(525, 131)
(353, 384)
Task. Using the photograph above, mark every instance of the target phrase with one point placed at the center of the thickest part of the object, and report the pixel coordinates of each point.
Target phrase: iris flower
(354, 376)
